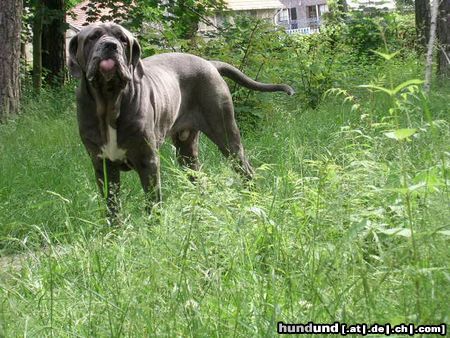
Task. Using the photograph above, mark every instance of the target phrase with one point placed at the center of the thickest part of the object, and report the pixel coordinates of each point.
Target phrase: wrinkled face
(103, 53)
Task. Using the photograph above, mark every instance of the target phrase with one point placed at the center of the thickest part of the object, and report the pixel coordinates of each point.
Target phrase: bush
(365, 32)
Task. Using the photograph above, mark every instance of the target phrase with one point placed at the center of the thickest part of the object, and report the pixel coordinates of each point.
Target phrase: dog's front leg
(148, 170)
(107, 175)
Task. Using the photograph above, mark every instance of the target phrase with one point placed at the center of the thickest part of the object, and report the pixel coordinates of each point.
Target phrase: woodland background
(346, 220)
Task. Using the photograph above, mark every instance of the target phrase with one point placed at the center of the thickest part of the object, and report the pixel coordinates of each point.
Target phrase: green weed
(347, 220)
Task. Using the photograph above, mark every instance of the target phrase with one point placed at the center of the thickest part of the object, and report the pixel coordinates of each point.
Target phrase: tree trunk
(422, 10)
(10, 27)
(431, 44)
(37, 48)
(53, 42)
(444, 39)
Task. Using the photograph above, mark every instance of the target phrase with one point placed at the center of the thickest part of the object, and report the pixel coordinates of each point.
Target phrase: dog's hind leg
(186, 144)
(232, 148)
(221, 128)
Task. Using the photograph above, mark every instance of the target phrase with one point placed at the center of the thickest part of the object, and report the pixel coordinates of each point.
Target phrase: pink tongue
(107, 65)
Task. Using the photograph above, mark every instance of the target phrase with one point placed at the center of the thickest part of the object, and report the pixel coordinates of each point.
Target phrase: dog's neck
(108, 98)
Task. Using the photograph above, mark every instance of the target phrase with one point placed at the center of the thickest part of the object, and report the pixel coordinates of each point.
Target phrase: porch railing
(304, 30)
(306, 26)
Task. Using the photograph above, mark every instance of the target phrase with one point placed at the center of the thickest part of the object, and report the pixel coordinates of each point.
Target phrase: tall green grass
(342, 223)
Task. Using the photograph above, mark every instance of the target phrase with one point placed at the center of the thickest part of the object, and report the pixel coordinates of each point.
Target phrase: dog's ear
(135, 52)
(74, 66)
(136, 58)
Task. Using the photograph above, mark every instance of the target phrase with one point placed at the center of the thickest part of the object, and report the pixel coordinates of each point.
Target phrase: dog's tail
(236, 75)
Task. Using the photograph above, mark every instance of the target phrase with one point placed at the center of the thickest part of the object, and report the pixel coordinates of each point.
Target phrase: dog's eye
(95, 36)
(123, 39)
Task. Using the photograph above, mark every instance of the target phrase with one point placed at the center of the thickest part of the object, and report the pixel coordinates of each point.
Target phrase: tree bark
(10, 27)
(422, 10)
(444, 39)
(37, 48)
(54, 42)
(431, 44)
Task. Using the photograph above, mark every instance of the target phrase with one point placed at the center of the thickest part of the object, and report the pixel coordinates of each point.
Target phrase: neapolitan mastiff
(127, 106)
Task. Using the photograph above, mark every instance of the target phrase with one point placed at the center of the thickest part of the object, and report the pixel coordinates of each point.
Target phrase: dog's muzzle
(108, 69)
(108, 61)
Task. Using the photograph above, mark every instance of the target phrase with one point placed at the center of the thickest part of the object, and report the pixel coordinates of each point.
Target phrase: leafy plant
(368, 31)
(255, 47)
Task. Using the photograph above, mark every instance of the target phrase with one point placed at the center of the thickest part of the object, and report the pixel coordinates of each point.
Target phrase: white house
(305, 16)
(261, 9)
(296, 16)
(302, 16)
(378, 4)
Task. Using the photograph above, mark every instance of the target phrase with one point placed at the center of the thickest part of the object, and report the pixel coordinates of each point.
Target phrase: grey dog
(126, 107)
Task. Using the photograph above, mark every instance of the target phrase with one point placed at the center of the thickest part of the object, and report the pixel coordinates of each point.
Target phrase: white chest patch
(111, 150)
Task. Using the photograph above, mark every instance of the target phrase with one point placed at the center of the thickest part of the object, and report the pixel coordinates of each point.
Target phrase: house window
(311, 12)
(322, 9)
(293, 13)
(283, 15)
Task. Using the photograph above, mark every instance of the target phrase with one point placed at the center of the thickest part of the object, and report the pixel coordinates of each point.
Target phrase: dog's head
(105, 52)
